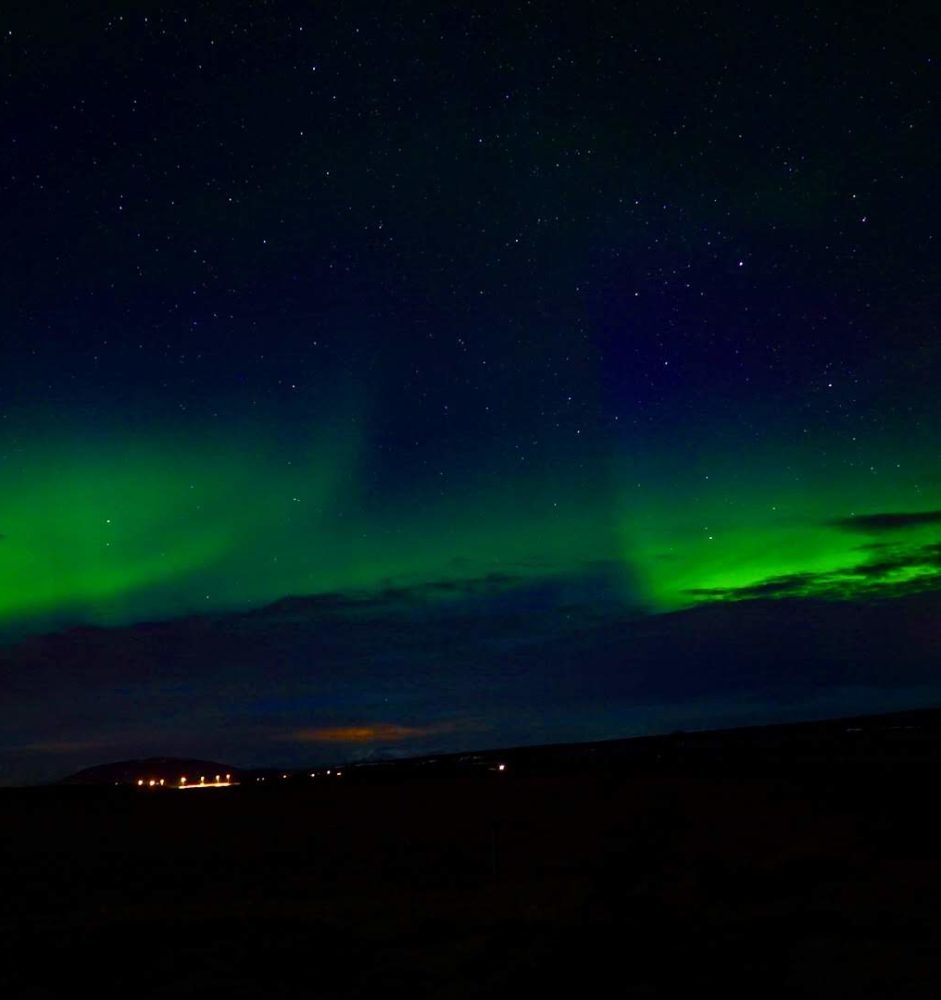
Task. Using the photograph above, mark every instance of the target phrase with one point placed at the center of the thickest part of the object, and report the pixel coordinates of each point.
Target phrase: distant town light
(140, 781)
(501, 767)
(161, 781)
(152, 782)
(183, 780)
(202, 779)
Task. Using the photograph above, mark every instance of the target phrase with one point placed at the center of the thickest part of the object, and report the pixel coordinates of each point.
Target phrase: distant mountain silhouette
(170, 769)
(381, 754)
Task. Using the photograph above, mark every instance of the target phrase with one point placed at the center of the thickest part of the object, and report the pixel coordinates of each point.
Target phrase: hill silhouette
(169, 769)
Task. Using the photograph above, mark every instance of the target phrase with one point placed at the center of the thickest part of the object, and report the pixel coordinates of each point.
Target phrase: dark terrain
(787, 873)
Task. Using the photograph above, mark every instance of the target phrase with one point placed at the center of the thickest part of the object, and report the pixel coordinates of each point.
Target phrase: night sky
(404, 377)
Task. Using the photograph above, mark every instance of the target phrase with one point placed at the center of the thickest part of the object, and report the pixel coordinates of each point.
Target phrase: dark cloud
(794, 584)
(389, 597)
(67, 747)
(887, 522)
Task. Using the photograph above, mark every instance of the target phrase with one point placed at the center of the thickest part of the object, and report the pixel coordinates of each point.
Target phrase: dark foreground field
(805, 880)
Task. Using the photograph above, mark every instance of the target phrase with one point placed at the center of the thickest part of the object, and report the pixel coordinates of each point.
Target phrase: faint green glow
(113, 532)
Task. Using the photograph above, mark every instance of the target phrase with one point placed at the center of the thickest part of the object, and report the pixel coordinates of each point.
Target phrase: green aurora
(116, 531)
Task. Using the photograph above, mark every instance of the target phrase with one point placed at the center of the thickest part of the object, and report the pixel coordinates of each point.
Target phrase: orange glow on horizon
(372, 732)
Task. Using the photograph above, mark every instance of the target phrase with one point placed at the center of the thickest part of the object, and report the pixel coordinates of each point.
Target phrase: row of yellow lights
(313, 774)
(218, 783)
(160, 782)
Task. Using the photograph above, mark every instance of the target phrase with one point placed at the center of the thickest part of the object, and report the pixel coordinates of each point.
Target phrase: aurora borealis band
(452, 378)
(119, 531)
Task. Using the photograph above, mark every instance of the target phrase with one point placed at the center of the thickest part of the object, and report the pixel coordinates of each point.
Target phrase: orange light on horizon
(372, 732)
(140, 781)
